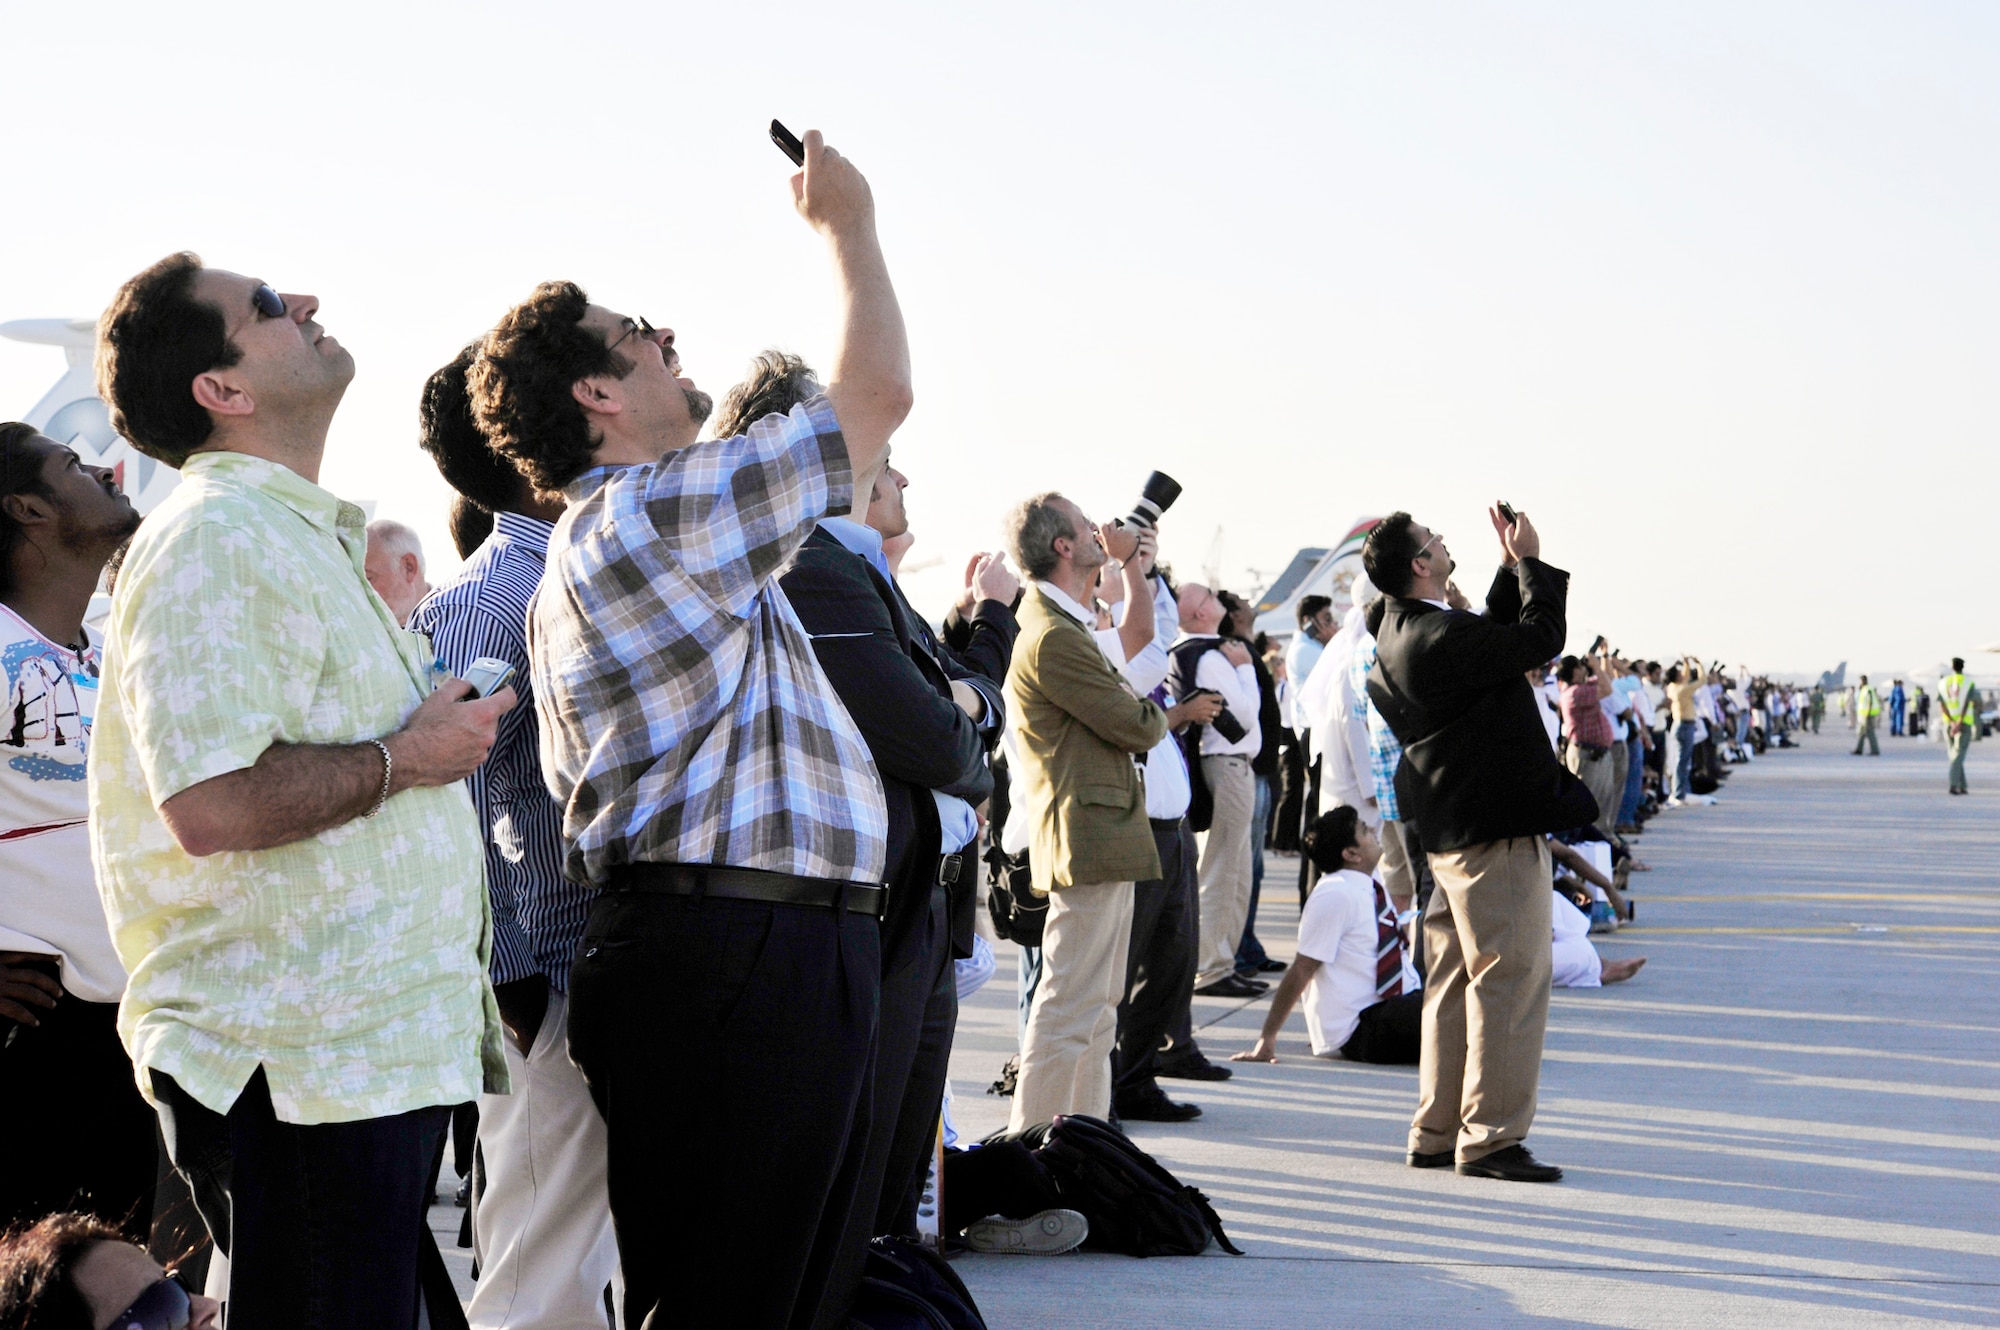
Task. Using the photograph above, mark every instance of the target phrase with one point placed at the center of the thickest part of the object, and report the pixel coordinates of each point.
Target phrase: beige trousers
(542, 1228)
(1399, 878)
(1225, 866)
(1486, 999)
(1066, 1054)
(1602, 777)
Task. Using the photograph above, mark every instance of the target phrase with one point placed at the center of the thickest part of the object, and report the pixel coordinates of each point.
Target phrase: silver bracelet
(388, 769)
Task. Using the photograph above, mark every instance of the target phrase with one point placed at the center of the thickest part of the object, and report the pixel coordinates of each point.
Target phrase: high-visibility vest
(1955, 699)
(1868, 702)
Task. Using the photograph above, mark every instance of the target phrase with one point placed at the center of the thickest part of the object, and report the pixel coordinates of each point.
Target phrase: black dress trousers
(729, 1045)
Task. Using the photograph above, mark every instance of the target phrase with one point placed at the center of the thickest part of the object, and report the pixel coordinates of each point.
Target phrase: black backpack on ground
(907, 1286)
(1135, 1207)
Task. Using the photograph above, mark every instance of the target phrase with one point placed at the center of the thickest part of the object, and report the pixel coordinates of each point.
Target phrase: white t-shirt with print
(1338, 930)
(48, 891)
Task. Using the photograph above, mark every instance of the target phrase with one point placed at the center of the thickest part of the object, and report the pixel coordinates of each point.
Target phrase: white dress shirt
(1238, 686)
(1167, 791)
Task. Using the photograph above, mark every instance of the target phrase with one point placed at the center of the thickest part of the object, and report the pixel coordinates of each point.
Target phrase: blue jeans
(1635, 779)
(1680, 756)
(1250, 952)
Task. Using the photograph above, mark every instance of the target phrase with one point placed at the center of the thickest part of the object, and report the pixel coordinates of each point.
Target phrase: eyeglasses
(164, 1305)
(640, 326)
(1422, 549)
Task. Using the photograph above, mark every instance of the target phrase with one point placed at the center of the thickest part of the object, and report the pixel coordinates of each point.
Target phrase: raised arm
(869, 379)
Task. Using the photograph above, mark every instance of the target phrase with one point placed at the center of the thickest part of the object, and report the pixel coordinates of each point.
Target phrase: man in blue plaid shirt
(714, 790)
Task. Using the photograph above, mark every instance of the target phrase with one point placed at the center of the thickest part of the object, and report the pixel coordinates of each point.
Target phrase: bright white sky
(1711, 290)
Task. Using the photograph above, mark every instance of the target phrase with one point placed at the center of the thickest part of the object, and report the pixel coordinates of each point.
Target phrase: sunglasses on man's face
(164, 1305)
(267, 301)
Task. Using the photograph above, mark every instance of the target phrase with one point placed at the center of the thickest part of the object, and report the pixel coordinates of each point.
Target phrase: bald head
(1202, 610)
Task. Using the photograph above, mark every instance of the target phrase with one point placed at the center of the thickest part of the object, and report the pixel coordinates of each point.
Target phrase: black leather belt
(750, 884)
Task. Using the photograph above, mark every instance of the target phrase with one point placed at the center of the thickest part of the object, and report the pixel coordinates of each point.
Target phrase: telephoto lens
(1157, 495)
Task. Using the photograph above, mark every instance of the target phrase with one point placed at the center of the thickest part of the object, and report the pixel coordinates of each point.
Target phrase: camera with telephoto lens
(1155, 497)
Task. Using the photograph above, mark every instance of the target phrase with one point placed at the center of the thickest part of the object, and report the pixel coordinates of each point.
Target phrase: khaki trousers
(1486, 999)
(1398, 874)
(1073, 1024)
(1602, 777)
(1225, 866)
(542, 1227)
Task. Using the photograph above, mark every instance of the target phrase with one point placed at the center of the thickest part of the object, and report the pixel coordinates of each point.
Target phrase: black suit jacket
(1453, 686)
(873, 651)
(983, 644)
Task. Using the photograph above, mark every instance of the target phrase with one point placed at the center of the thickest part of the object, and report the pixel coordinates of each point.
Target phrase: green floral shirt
(352, 965)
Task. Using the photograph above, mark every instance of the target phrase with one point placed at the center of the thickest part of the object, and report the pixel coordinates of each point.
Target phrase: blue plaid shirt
(685, 718)
(538, 914)
(1385, 754)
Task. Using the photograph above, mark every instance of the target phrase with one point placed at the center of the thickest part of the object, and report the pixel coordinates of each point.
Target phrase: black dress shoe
(1155, 1107)
(1513, 1164)
(1232, 986)
(1269, 966)
(1195, 1068)
(1439, 1159)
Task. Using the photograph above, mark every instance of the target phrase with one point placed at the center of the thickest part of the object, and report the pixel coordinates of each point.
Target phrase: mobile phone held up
(1507, 511)
(788, 143)
(488, 675)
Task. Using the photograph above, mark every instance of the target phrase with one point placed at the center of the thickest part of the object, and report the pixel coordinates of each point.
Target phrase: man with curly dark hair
(716, 795)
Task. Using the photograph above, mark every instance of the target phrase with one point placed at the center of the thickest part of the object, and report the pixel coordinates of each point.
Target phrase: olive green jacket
(1077, 725)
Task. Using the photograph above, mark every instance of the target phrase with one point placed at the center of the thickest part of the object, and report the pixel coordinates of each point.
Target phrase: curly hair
(152, 341)
(37, 1265)
(1389, 550)
(778, 381)
(522, 378)
(447, 431)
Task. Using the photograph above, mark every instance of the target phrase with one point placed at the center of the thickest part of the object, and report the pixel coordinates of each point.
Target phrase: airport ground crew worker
(1959, 701)
(1867, 711)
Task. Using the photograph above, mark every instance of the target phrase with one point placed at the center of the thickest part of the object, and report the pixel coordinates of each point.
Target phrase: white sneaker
(1674, 803)
(1050, 1233)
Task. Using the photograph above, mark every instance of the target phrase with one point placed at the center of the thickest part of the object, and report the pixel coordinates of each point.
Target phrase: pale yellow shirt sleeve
(221, 657)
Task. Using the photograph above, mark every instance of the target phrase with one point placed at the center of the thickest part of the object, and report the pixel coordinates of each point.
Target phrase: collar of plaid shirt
(685, 718)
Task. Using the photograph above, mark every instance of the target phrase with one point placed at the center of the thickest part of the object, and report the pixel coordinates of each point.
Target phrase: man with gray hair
(395, 567)
(1077, 726)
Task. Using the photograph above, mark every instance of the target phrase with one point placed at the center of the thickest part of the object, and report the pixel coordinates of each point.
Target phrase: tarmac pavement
(1787, 1119)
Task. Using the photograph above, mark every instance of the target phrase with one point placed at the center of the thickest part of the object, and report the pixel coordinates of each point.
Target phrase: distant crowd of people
(645, 849)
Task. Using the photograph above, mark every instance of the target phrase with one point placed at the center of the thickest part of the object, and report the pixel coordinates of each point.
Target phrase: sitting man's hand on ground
(1261, 1051)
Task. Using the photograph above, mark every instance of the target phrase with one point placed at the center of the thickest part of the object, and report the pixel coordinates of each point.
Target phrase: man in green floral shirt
(291, 868)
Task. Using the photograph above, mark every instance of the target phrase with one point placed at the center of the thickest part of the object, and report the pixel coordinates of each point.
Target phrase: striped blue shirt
(538, 914)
